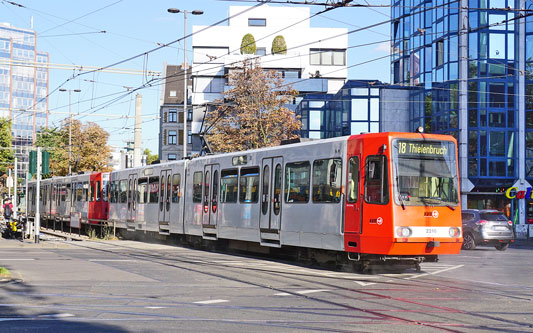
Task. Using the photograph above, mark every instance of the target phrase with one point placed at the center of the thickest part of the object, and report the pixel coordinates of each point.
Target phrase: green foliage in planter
(248, 44)
(279, 46)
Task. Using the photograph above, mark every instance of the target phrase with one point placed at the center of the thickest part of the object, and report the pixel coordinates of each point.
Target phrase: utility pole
(37, 220)
(185, 111)
(15, 187)
(137, 132)
(69, 127)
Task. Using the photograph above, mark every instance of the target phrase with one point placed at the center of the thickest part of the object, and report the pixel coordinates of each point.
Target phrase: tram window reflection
(327, 180)
(297, 182)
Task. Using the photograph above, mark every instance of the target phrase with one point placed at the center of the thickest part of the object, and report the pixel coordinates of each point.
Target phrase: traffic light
(45, 163)
(33, 162)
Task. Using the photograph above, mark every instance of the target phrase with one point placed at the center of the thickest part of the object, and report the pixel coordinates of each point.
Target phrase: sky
(71, 32)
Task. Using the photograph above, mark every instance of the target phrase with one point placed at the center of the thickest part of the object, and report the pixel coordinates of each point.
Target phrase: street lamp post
(185, 111)
(69, 126)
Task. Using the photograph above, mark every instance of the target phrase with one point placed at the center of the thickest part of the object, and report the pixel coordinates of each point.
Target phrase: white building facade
(315, 60)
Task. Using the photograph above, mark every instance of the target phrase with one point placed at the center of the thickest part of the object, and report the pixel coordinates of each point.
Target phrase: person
(8, 209)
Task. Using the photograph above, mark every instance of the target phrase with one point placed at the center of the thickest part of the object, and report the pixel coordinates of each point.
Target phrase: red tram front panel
(404, 203)
(98, 204)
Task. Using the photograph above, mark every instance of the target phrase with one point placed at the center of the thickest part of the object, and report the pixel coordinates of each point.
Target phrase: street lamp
(185, 112)
(69, 126)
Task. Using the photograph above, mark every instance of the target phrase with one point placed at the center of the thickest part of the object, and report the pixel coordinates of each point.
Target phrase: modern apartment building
(472, 61)
(314, 61)
(23, 88)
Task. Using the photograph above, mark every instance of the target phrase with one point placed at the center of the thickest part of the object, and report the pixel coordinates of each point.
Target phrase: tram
(375, 197)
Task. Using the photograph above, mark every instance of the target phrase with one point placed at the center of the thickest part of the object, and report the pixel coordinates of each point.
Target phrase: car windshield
(495, 216)
(425, 173)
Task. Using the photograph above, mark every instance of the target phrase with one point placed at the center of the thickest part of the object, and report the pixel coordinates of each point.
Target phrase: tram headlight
(455, 232)
(403, 232)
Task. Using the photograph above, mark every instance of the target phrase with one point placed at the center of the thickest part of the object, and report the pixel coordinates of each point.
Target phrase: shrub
(248, 44)
(278, 45)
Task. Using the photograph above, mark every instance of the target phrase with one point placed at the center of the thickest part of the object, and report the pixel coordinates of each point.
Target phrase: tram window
(69, 197)
(111, 192)
(376, 180)
(327, 176)
(63, 193)
(353, 180)
(249, 185)
(116, 192)
(79, 191)
(197, 186)
(123, 191)
(91, 192)
(85, 190)
(228, 186)
(176, 182)
(105, 189)
(142, 190)
(154, 189)
(265, 198)
(277, 189)
(297, 182)
(98, 191)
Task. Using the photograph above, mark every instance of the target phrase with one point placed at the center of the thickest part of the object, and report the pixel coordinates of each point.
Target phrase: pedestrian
(8, 209)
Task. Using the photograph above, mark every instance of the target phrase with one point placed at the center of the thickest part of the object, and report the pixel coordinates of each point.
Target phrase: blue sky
(69, 32)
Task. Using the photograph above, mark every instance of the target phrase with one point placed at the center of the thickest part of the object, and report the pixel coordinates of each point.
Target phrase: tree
(248, 44)
(254, 114)
(278, 45)
(150, 158)
(6, 153)
(89, 151)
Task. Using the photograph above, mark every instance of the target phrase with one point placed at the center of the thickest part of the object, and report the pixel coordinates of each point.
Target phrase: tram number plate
(431, 231)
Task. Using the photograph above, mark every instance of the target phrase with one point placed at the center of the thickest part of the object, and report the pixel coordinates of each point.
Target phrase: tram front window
(425, 173)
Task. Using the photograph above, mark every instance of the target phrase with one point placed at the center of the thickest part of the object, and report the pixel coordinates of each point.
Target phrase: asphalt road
(125, 286)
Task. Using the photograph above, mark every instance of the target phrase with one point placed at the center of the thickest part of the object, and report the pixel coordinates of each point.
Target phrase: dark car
(486, 227)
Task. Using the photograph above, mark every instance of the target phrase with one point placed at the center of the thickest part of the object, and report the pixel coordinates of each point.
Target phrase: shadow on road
(22, 308)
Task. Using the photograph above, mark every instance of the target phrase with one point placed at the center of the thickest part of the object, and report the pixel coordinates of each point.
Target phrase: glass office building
(23, 88)
(473, 63)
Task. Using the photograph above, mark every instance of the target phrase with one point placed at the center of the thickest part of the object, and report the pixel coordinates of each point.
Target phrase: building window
(171, 137)
(330, 57)
(189, 115)
(257, 22)
(171, 157)
(260, 51)
(189, 136)
(172, 93)
(172, 114)
(440, 53)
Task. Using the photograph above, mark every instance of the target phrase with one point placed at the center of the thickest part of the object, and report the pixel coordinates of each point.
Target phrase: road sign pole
(37, 220)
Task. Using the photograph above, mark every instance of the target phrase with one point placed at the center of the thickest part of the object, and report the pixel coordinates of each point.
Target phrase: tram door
(271, 179)
(353, 211)
(132, 197)
(165, 193)
(210, 199)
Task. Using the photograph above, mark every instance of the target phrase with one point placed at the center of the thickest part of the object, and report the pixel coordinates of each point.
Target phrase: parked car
(486, 227)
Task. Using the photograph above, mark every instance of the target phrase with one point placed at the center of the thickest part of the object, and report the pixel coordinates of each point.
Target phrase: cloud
(383, 47)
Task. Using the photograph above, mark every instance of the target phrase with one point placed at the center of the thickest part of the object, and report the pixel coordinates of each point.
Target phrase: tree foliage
(254, 114)
(248, 44)
(6, 153)
(150, 158)
(90, 151)
(278, 45)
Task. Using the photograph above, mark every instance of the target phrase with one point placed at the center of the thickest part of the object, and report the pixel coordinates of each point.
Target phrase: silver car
(486, 227)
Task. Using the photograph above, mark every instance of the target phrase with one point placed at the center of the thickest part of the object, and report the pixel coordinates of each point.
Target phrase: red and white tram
(379, 196)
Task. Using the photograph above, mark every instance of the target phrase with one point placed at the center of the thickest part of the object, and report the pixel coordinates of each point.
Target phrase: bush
(279, 46)
(248, 44)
